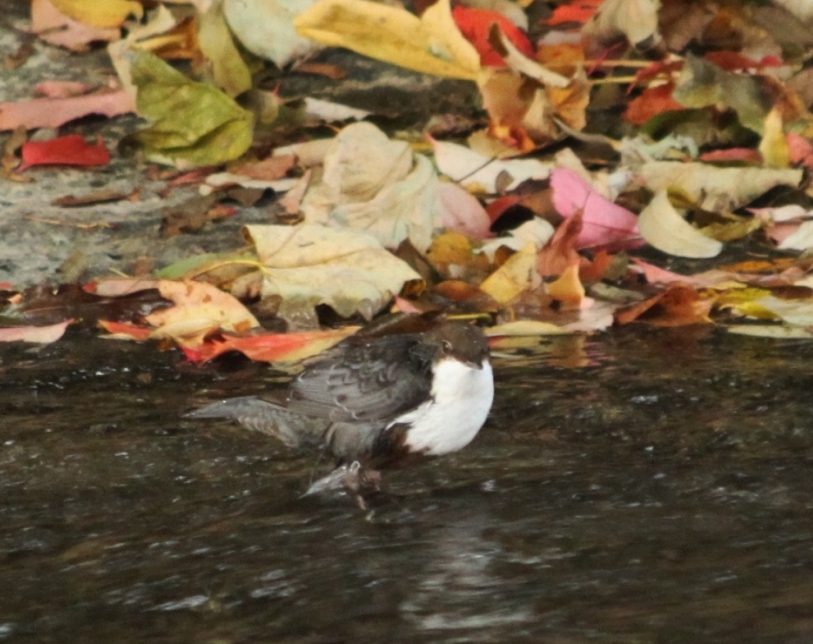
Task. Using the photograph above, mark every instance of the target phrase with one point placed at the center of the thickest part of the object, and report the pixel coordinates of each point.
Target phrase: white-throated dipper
(369, 402)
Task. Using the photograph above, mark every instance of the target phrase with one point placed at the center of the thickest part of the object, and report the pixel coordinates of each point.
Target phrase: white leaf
(346, 269)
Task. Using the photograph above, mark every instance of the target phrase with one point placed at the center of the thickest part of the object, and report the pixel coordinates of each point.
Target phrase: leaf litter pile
(630, 161)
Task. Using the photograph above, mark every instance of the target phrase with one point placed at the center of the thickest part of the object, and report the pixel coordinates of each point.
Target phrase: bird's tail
(268, 418)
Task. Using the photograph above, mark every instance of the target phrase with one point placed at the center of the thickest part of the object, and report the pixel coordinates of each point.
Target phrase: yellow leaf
(431, 44)
(99, 13)
(774, 145)
(229, 70)
(512, 278)
(567, 288)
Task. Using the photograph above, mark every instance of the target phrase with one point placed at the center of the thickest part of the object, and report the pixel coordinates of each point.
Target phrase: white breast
(450, 419)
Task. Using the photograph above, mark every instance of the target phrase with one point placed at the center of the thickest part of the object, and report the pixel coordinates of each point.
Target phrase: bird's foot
(353, 479)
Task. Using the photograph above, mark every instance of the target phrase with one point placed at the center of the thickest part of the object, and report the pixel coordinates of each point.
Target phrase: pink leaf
(38, 334)
(53, 112)
(603, 221)
(462, 212)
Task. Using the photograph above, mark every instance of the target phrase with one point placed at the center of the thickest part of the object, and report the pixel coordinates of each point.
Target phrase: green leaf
(193, 124)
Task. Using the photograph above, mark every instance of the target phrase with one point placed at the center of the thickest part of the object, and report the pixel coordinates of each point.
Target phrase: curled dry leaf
(474, 170)
(346, 269)
(635, 20)
(377, 185)
(714, 188)
(266, 28)
(663, 227)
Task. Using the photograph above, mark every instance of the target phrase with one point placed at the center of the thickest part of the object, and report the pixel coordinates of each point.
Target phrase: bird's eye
(447, 346)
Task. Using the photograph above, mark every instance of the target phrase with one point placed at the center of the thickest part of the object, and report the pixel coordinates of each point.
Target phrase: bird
(370, 402)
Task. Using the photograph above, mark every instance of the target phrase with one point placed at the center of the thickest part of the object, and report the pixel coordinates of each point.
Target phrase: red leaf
(65, 150)
(122, 329)
(651, 102)
(735, 61)
(475, 24)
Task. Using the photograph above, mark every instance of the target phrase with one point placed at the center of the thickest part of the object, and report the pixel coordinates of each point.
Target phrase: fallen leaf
(524, 328)
(348, 270)
(61, 89)
(536, 231)
(100, 13)
(578, 11)
(193, 124)
(801, 239)
(53, 112)
(286, 348)
(652, 102)
(663, 227)
(125, 331)
(775, 331)
(520, 62)
(55, 28)
(774, 146)
(516, 275)
(266, 28)
(332, 112)
(377, 185)
(475, 25)
(560, 251)
(228, 69)
(431, 44)
(462, 212)
(603, 222)
(199, 308)
(567, 288)
(713, 188)
(35, 334)
(677, 305)
(473, 170)
(635, 20)
(65, 150)
(268, 169)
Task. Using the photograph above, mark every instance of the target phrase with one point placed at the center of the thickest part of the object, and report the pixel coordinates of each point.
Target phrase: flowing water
(639, 486)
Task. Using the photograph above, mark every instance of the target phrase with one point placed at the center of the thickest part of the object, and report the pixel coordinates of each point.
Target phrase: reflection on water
(637, 487)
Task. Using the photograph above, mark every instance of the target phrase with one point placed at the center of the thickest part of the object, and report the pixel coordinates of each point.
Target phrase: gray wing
(373, 382)
(268, 418)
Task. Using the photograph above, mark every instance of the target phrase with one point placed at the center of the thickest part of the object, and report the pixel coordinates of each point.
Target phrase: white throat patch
(450, 419)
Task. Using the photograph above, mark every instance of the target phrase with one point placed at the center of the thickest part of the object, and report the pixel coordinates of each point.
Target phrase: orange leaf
(271, 347)
(579, 11)
(560, 253)
(679, 304)
(651, 102)
(567, 288)
(125, 331)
